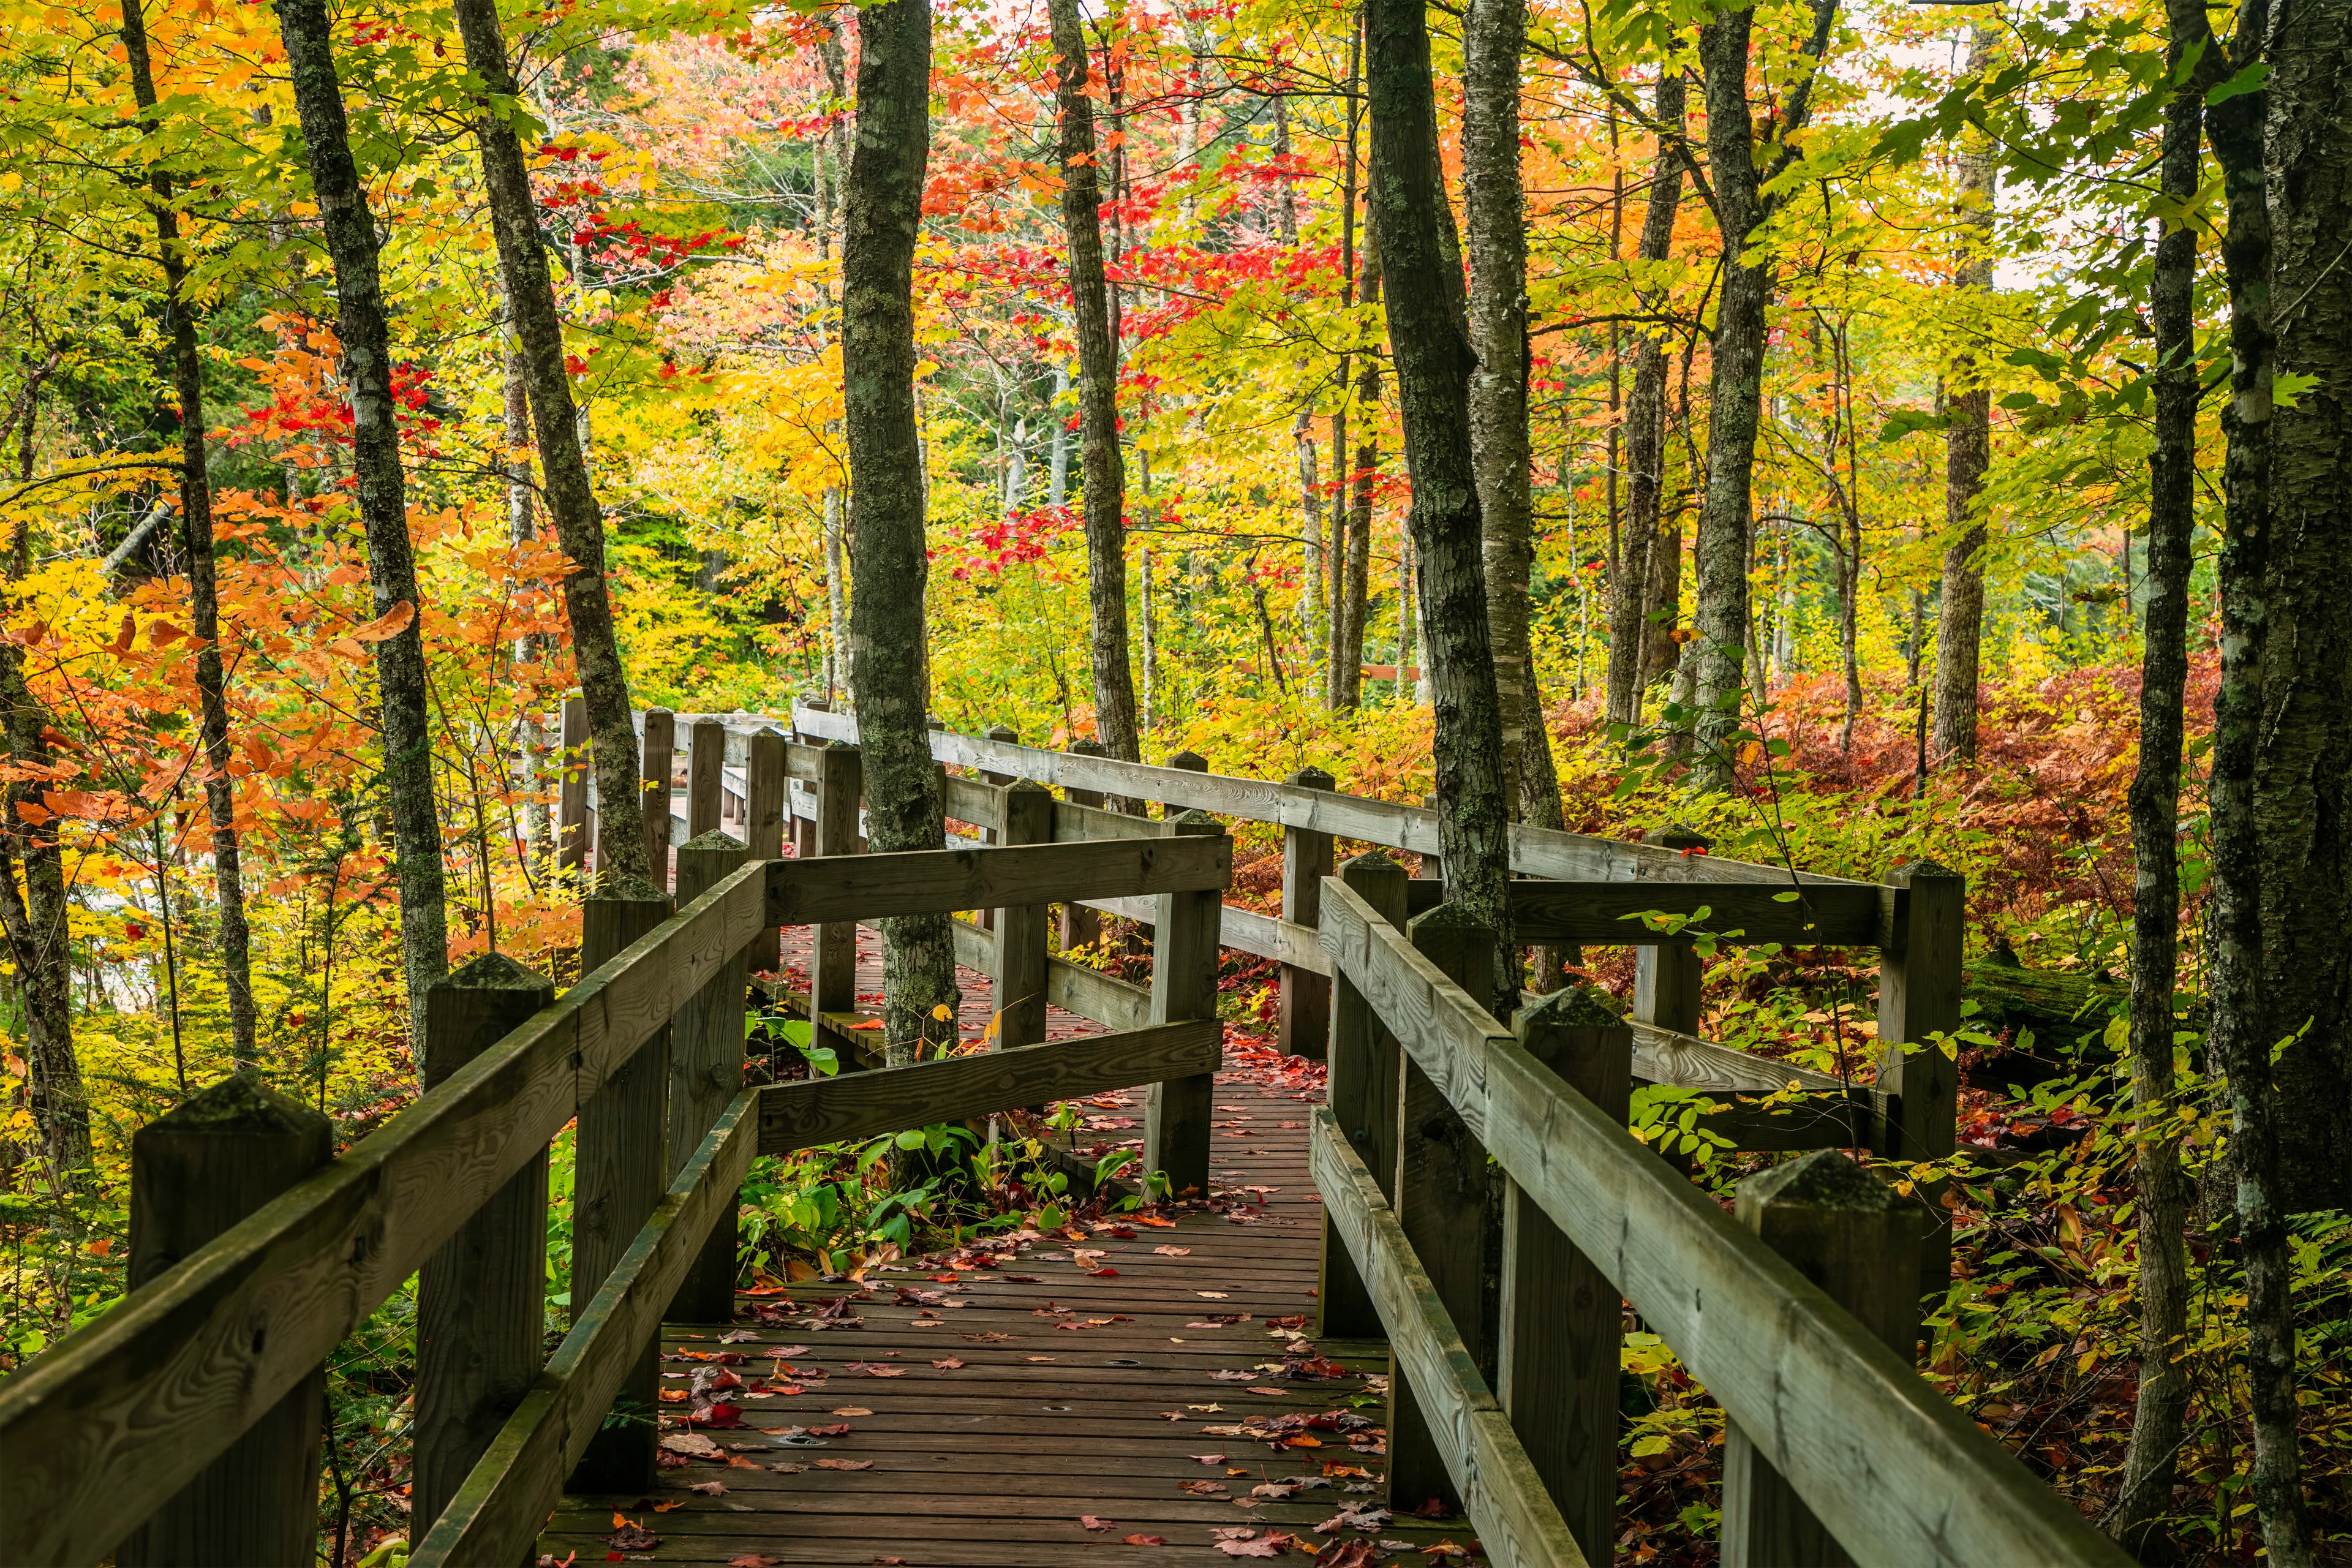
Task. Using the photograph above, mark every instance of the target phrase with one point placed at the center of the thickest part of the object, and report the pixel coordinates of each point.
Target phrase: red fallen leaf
(721, 1416)
(1123, 1232)
(737, 1462)
(708, 1489)
(947, 1280)
(845, 1464)
(1346, 1554)
(947, 1364)
(1143, 1540)
(838, 1429)
(1105, 1272)
(1091, 1523)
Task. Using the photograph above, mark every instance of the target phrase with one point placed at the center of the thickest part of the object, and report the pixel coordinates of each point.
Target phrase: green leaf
(1911, 421)
(2285, 389)
(2253, 78)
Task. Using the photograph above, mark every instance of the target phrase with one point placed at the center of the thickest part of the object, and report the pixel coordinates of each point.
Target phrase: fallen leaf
(752, 1559)
(852, 1410)
(870, 1370)
(1173, 1251)
(1204, 1488)
(740, 1337)
(1104, 1273)
(839, 1429)
(708, 1489)
(632, 1537)
(1347, 1555)
(948, 1363)
(737, 1462)
(1143, 1540)
(845, 1464)
(1212, 1295)
(1276, 1392)
(693, 1443)
(1091, 1523)
(1210, 1458)
(889, 1563)
(788, 1468)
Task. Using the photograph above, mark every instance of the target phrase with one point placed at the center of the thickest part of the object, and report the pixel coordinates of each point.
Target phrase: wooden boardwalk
(1139, 1392)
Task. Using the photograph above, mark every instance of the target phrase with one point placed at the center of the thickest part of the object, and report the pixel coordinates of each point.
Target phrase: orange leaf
(390, 624)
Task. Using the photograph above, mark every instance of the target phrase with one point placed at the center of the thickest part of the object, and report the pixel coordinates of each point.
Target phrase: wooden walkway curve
(1059, 1411)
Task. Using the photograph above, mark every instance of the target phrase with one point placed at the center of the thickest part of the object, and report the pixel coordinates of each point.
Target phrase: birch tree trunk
(350, 231)
(1630, 592)
(1102, 472)
(204, 595)
(2151, 1463)
(571, 502)
(1429, 338)
(1967, 454)
(889, 655)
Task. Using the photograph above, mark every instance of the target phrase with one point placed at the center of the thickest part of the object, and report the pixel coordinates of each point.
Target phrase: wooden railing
(1799, 1316)
(1573, 889)
(193, 1404)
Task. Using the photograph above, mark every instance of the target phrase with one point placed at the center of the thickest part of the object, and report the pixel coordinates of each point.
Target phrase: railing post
(654, 759)
(1191, 763)
(197, 1170)
(1667, 976)
(763, 824)
(706, 1074)
(1561, 1321)
(1362, 1089)
(572, 791)
(1005, 733)
(1432, 865)
(1442, 1201)
(481, 1300)
(620, 1168)
(1082, 927)
(1919, 984)
(1184, 955)
(803, 829)
(1020, 972)
(706, 780)
(1305, 1019)
(833, 947)
(1855, 1237)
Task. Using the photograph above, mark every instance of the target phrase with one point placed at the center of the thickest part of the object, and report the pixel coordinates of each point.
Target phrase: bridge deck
(1079, 1395)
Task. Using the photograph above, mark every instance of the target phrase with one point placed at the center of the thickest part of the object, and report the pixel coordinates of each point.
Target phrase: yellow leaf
(941, 1012)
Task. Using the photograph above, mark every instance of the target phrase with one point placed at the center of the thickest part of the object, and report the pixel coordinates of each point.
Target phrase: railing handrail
(1888, 1464)
(87, 1441)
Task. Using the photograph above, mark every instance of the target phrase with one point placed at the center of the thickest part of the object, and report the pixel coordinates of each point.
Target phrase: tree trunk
(1102, 474)
(1494, 206)
(1967, 454)
(1429, 338)
(571, 502)
(204, 595)
(2242, 1027)
(382, 495)
(891, 662)
(2151, 1464)
(1736, 383)
(1629, 595)
(1353, 563)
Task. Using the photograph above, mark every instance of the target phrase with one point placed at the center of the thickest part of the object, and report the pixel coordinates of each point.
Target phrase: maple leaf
(1143, 1540)
(845, 1464)
(1091, 1523)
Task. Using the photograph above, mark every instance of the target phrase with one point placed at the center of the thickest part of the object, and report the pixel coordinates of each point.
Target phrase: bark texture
(571, 501)
(2151, 1463)
(1967, 454)
(382, 493)
(1736, 384)
(888, 655)
(1494, 206)
(1630, 589)
(1429, 338)
(1102, 473)
(204, 596)
(2242, 1027)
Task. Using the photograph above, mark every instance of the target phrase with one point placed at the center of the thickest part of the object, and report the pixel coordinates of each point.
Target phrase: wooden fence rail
(1884, 1463)
(122, 1416)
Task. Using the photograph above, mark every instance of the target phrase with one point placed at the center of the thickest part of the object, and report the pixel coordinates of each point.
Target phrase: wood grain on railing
(120, 1413)
(1500, 1491)
(936, 882)
(1893, 1470)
